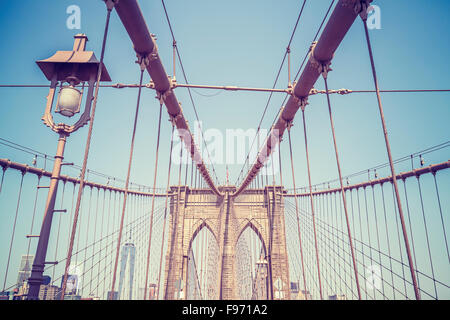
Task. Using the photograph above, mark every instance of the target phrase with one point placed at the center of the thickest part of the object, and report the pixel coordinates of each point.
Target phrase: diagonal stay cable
(296, 76)
(127, 182)
(187, 82)
(109, 6)
(274, 84)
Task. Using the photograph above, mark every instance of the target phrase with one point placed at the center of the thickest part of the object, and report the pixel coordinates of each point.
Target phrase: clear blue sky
(236, 43)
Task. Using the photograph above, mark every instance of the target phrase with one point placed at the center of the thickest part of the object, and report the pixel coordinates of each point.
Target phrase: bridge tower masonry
(227, 217)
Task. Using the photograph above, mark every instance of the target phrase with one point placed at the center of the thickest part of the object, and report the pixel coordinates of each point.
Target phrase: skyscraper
(294, 289)
(128, 250)
(112, 295)
(25, 269)
(48, 292)
(337, 297)
(74, 277)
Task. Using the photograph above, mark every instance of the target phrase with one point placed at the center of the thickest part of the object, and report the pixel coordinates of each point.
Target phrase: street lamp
(69, 68)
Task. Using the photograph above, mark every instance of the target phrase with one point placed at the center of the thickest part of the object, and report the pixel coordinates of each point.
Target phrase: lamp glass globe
(68, 101)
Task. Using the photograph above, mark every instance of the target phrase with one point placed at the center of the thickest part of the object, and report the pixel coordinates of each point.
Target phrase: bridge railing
(23, 192)
(382, 264)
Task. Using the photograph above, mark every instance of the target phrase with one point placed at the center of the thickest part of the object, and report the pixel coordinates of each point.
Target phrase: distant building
(73, 284)
(23, 291)
(4, 295)
(304, 295)
(72, 297)
(15, 294)
(128, 255)
(25, 269)
(48, 292)
(294, 289)
(338, 297)
(112, 295)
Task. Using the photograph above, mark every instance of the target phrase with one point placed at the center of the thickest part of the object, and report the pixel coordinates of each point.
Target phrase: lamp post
(70, 68)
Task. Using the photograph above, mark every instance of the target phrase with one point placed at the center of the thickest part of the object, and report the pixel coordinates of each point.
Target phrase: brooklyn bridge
(297, 219)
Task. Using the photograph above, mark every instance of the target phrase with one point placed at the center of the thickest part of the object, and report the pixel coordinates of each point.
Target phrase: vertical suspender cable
(153, 201)
(296, 210)
(440, 211)
(87, 234)
(192, 173)
(362, 238)
(184, 205)
(174, 45)
(391, 163)
(288, 50)
(94, 240)
(344, 202)
(186, 80)
(427, 237)
(13, 229)
(58, 233)
(281, 172)
(119, 238)
(187, 169)
(388, 244)
(179, 179)
(165, 212)
(34, 212)
(410, 226)
(399, 246)
(196, 170)
(110, 5)
(3, 177)
(107, 249)
(273, 171)
(312, 204)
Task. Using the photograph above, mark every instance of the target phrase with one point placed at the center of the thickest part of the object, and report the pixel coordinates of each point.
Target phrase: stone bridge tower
(226, 217)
